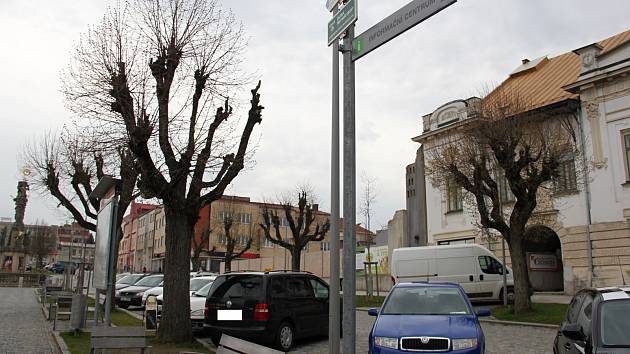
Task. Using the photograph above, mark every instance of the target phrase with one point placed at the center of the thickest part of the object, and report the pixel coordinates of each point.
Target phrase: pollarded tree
(41, 242)
(150, 73)
(300, 222)
(69, 165)
(508, 142)
(233, 250)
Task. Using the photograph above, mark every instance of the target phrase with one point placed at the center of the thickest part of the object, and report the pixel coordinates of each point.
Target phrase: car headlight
(386, 342)
(139, 294)
(464, 343)
(117, 293)
(197, 312)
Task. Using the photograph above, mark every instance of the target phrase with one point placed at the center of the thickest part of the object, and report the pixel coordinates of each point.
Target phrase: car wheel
(285, 337)
(215, 338)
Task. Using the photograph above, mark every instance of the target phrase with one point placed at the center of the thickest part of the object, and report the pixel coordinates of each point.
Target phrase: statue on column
(20, 204)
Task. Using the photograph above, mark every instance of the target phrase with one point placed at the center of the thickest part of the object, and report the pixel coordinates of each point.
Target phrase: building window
(626, 150)
(267, 243)
(324, 246)
(505, 192)
(453, 196)
(459, 241)
(245, 218)
(224, 214)
(566, 180)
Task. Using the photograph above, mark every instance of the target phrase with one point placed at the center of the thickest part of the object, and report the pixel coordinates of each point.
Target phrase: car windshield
(614, 325)
(196, 283)
(130, 279)
(426, 301)
(151, 281)
(203, 292)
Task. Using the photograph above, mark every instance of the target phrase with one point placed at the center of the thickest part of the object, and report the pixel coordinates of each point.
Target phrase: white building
(593, 84)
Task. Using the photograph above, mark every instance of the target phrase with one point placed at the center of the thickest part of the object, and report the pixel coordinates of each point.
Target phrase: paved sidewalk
(23, 328)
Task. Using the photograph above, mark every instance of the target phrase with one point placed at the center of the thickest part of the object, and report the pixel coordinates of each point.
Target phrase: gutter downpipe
(587, 192)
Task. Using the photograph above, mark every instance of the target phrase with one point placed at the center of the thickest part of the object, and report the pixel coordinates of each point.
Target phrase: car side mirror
(373, 312)
(193, 293)
(573, 331)
(483, 312)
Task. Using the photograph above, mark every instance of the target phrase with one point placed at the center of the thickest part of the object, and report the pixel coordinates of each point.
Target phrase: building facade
(416, 202)
(586, 223)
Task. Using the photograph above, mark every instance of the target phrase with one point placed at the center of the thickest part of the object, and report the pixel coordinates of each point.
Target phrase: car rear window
(613, 323)
(130, 279)
(151, 281)
(237, 286)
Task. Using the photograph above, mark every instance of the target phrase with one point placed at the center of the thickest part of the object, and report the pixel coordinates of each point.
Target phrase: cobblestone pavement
(500, 339)
(23, 328)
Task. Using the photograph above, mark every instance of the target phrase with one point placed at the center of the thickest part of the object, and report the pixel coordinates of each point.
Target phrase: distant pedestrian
(160, 270)
(144, 269)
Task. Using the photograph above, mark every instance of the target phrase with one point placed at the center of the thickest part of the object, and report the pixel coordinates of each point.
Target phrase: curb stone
(61, 344)
(515, 323)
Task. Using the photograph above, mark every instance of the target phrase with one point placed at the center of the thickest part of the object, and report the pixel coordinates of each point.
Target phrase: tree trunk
(296, 254)
(522, 301)
(175, 325)
(228, 265)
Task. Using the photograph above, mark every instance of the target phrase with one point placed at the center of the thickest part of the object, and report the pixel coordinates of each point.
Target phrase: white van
(472, 266)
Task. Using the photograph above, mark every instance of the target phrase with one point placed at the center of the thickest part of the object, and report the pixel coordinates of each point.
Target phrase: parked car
(271, 308)
(197, 307)
(426, 316)
(129, 280)
(156, 291)
(195, 284)
(596, 322)
(472, 266)
(132, 295)
(60, 267)
(119, 276)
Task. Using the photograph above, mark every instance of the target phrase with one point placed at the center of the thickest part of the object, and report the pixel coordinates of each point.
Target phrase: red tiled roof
(543, 84)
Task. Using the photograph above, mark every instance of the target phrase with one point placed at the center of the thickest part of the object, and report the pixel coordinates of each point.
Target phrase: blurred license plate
(229, 315)
(125, 298)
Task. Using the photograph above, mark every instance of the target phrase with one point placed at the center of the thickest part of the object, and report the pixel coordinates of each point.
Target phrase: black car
(271, 308)
(132, 295)
(596, 323)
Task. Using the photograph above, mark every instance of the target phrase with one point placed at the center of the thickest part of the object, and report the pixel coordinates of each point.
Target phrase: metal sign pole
(349, 197)
(333, 318)
(109, 302)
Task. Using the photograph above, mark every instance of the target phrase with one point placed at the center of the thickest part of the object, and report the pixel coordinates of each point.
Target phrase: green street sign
(346, 16)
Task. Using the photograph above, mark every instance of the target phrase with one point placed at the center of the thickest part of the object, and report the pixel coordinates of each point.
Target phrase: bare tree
(150, 74)
(233, 248)
(300, 221)
(367, 203)
(506, 143)
(41, 242)
(198, 247)
(69, 165)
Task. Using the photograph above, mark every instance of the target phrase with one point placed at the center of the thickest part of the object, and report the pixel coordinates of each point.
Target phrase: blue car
(427, 317)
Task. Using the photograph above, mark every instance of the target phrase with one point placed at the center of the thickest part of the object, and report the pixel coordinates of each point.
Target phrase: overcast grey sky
(453, 55)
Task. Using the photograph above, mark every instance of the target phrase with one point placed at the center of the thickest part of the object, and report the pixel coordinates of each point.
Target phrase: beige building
(263, 254)
(585, 220)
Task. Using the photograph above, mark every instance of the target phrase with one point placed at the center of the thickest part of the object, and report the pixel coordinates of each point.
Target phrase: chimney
(315, 207)
(525, 61)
